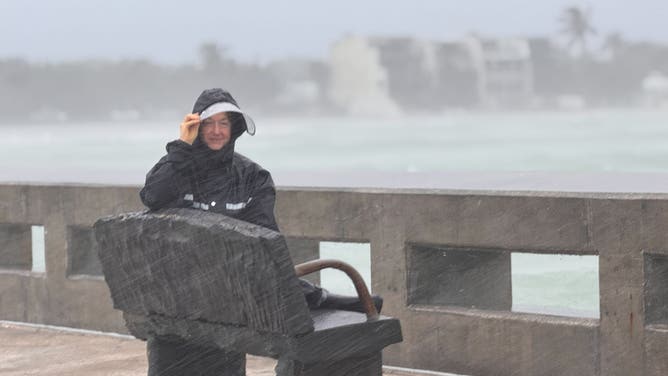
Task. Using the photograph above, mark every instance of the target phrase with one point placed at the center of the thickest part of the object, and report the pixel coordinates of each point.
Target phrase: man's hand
(189, 128)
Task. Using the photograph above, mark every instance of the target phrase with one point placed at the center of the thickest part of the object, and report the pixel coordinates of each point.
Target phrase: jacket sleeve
(260, 210)
(170, 178)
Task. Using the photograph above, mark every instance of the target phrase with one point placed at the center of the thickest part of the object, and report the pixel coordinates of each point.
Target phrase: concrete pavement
(37, 350)
(29, 350)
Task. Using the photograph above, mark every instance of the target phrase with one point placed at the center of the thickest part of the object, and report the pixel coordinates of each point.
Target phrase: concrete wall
(445, 330)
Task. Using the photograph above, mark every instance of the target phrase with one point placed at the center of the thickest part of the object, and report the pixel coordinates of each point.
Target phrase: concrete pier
(438, 257)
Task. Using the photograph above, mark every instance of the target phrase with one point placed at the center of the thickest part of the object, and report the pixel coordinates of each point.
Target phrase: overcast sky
(253, 30)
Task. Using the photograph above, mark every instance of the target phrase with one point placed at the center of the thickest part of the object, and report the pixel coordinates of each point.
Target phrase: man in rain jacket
(201, 170)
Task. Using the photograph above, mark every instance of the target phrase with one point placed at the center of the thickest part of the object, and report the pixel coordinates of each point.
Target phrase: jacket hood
(217, 95)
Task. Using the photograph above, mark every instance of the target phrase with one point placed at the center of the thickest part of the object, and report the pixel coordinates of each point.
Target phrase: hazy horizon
(253, 31)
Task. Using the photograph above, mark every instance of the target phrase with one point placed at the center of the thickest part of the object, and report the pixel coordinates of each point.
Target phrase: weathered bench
(229, 284)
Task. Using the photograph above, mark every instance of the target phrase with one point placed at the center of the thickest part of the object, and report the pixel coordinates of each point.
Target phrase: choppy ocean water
(632, 141)
(594, 141)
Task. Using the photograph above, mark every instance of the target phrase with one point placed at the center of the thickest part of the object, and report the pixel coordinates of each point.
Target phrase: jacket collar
(207, 159)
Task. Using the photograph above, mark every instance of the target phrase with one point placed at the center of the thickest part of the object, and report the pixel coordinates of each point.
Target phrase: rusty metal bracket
(361, 288)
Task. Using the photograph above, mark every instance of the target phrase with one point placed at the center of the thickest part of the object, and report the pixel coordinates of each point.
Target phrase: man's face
(216, 131)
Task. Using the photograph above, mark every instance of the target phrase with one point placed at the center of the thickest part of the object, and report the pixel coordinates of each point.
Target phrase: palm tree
(614, 44)
(577, 27)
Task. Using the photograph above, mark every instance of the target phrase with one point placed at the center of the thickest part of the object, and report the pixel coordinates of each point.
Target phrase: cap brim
(228, 107)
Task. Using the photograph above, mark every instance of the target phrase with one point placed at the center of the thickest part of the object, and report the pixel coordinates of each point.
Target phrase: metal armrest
(362, 290)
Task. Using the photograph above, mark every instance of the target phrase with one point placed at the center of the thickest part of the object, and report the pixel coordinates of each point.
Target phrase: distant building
(504, 70)
(358, 79)
(427, 76)
(655, 88)
(370, 75)
(457, 75)
(412, 71)
(391, 75)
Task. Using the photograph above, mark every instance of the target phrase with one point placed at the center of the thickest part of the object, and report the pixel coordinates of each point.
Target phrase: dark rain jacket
(223, 181)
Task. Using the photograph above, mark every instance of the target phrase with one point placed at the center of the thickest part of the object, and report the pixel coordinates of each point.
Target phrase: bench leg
(370, 365)
(189, 359)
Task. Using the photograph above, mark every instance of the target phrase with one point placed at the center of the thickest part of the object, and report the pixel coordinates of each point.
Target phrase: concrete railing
(434, 256)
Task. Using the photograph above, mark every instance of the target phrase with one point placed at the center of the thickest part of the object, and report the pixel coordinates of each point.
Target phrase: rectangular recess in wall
(556, 284)
(356, 254)
(82, 258)
(460, 277)
(15, 246)
(38, 249)
(302, 250)
(656, 288)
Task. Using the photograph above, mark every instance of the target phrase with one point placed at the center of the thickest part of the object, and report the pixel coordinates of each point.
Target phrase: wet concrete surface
(26, 350)
(31, 350)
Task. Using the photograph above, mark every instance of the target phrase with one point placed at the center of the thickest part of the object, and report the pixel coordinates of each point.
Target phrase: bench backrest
(196, 265)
